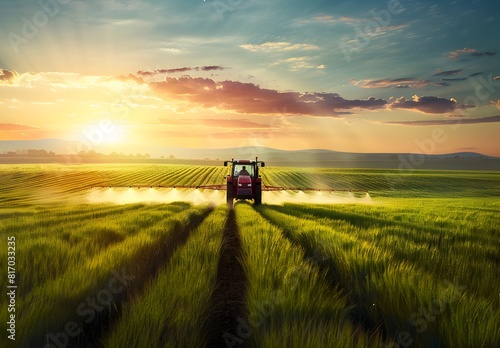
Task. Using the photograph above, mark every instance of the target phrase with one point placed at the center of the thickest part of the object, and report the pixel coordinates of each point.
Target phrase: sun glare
(114, 136)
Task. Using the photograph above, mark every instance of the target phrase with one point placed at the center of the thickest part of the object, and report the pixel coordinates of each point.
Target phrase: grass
(175, 305)
(289, 301)
(393, 269)
(418, 263)
(48, 307)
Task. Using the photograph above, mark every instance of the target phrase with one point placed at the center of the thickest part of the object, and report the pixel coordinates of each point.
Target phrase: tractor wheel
(258, 195)
(229, 196)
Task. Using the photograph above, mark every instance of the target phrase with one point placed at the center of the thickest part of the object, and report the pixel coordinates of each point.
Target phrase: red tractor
(244, 181)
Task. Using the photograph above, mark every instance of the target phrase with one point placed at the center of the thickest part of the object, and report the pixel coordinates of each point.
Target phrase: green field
(414, 264)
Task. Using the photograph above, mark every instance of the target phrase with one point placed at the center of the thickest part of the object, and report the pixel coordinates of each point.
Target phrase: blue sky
(386, 72)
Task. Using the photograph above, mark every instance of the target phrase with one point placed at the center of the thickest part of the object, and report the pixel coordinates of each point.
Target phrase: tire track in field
(228, 297)
(148, 262)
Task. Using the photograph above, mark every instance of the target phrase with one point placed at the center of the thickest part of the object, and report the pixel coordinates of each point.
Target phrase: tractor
(244, 182)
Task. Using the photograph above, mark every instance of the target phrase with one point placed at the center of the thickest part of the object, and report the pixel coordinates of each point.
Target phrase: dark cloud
(445, 122)
(480, 54)
(180, 70)
(145, 73)
(7, 76)
(470, 52)
(175, 70)
(403, 82)
(455, 79)
(249, 98)
(427, 105)
(448, 73)
(212, 67)
(475, 74)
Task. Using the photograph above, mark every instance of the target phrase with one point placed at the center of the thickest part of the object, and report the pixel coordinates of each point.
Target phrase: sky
(356, 76)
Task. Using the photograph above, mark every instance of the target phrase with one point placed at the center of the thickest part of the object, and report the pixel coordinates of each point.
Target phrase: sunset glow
(136, 76)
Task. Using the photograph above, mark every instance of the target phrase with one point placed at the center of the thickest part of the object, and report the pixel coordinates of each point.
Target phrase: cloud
(7, 77)
(248, 98)
(298, 63)
(455, 79)
(213, 122)
(279, 47)
(175, 70)
(404, 82)
(129, 77)
(496, 103)
(378, 28)
(445, 122)
(448, 72)
(329, 19)
(496, 78)
(180, 70)
(212, 67)
(11, 127)
(470, 52)
(427, 105)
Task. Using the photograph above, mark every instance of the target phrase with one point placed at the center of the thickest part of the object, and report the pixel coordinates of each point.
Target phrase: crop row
(27, 184)
(78, 265)
(405, 283)
(293, 275)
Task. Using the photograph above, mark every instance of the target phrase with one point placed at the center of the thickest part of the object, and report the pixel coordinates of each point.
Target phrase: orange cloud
(213, 122)
(7, 77)
(444, 122)
(11, 127)
(248, 98)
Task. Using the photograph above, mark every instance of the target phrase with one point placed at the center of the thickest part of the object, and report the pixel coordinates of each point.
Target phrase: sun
(102, 135)
(115, 135)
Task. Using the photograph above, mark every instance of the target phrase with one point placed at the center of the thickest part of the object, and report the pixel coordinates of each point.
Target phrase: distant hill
(275, 157)
(56, 145)
(303, 155)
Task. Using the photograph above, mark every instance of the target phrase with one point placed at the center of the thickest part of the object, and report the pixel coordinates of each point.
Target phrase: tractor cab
(243, 181)
(244, 169)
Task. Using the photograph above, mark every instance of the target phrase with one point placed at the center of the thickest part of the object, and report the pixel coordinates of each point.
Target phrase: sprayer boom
(242, 182)
(207, 187)
(224, 187)
(280, 188)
